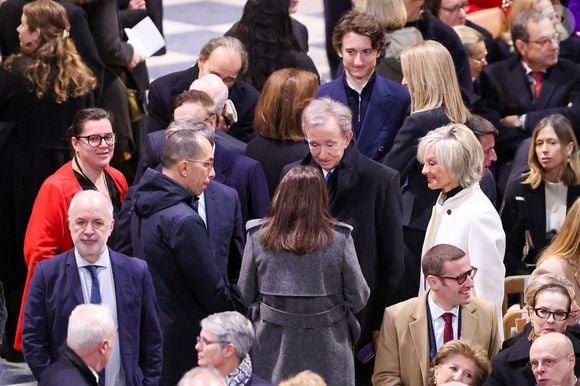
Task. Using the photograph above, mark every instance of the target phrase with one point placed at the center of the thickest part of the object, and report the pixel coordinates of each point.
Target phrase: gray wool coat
(302, 307)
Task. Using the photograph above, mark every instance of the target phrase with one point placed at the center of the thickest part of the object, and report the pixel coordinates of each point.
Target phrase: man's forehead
(542, 28)
(457, 266)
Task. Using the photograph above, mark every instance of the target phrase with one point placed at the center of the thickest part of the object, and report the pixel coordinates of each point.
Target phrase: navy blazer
(387, 109)
(55, 291)
(242, 173)
(163, 90)
(68, 370)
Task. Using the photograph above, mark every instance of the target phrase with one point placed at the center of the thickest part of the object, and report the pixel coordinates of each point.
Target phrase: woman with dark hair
(536, 202)
(277, 121)
(266, 30)
(93, 141)
(41, 88)
(302, 282)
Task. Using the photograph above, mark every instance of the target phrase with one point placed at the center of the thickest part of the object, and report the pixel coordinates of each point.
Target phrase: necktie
(328, 176)
(537, 75)
(195, 202)
(448, 328)
(95, 290)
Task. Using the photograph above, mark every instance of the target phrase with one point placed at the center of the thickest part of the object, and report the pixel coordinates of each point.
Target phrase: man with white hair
(89, 343)
(552, 360)
(92, 273)
(202, 376)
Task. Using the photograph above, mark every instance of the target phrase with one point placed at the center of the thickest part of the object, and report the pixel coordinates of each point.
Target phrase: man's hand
(511, 121)
(137, 4)
(137, 58)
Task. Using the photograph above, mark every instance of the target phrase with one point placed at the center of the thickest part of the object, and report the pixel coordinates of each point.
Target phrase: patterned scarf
(241, 374)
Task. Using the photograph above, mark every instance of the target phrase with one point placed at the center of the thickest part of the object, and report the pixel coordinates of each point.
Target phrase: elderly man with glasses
(414, 330)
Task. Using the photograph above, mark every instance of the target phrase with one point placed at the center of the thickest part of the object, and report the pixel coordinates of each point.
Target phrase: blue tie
(95, 290)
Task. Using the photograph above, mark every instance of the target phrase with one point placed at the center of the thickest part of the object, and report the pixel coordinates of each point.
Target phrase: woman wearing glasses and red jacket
(93, 141)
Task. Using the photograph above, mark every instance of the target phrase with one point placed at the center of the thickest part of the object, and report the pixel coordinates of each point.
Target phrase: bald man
(552, 360)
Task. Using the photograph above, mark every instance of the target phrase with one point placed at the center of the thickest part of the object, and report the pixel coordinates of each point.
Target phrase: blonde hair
(304, 378)
(457, 149)
(52, 61)
(469, 350)
(566, 245)
(563, 129)
(390, 13)
(430, 74)
(469, 37)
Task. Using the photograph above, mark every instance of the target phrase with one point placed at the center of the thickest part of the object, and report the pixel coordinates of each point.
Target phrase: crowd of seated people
(279, 231)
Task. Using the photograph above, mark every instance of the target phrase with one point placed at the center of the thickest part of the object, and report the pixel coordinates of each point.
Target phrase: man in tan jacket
(413, 331)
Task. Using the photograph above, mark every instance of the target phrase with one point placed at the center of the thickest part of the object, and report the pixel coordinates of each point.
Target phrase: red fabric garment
(47, 233)
(448, 328)
(538, 76)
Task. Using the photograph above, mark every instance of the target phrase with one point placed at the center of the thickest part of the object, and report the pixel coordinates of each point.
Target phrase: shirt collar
(437, 311)
(367, 85)
(528, 69)
(104, 259)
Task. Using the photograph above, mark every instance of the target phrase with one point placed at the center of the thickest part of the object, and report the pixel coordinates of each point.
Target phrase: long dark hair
(299, 220)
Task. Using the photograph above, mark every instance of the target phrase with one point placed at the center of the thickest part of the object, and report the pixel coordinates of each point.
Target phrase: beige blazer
(403, 346)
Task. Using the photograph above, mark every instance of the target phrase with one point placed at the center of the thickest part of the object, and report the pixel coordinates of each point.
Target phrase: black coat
(513, 217)
(68, 370)
(163, 91)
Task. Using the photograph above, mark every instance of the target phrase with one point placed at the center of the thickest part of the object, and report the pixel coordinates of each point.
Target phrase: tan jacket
(403, 347)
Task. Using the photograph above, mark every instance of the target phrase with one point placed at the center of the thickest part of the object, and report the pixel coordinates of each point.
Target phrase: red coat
(47, 234)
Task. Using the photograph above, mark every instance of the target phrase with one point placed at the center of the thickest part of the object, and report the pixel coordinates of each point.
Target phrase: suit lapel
(73, 281)
(125, 301)
(469, 323)
(211, 212)
(420, 337)
(374, 118)
(522, 91)
(549, 84)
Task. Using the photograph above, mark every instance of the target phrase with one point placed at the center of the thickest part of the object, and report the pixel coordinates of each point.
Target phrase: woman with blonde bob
(562, 256)
(277, 121)
(302, 283)
(459, 361)
(463, 216)
(536, 202)
(435, 101)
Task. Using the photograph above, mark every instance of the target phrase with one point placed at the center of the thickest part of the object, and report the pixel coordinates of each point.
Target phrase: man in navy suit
(227, 58)
(89, 343)
(242, 173)
(379, 106)
(90, 272)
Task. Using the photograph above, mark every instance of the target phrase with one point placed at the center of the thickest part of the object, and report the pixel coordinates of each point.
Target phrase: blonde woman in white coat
(463, 216)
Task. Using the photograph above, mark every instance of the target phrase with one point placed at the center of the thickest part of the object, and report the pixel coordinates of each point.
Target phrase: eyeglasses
(329, 147)
(456, 8)
(542, 42)
(204, 342)
(480, 61)
(207, 164)
(461, 278)
(96, 140)
(557, 315)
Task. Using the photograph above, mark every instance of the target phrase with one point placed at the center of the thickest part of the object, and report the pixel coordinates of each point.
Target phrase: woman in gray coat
(302, 283)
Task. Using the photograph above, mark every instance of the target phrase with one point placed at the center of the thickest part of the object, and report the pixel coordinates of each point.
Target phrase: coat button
(381, 149)
(449, 211)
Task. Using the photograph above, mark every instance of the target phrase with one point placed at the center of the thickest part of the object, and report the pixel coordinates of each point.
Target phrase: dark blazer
(418, 199)
(534, 215)
(163, 91)
(234, 170)
(68, 370)
(387, 109)
(366, 195)
(511, 366)
(55, 291)
(505, 90)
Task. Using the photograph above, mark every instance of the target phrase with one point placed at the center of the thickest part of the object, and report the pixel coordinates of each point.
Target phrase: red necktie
(448, 328)
(537, 75)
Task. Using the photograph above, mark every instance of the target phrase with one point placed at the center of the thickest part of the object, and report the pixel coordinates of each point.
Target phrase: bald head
(552, 360)
(214, 86)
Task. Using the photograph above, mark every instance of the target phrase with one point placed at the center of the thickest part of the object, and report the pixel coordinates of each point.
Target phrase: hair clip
(65, 34)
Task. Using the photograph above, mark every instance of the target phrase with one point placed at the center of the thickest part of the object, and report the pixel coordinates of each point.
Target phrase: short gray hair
(215, 87)
(228, 42)
(210, 372)
(320, 110)
(233, 327)
(457, 149)
(94, 194)
(182, 140)
(519, 28)
(469, 37)
(89, 325)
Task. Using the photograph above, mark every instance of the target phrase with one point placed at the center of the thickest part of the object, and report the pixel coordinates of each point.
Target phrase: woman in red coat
(47, 235)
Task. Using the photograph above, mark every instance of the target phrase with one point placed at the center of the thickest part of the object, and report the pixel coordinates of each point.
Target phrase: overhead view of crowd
(413, 221)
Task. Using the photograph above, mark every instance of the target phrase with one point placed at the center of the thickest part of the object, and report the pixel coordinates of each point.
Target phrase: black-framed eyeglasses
(456, 8)
(204, 342)
(460, 279)
(557, 315)
(95, 140)
(542, 42)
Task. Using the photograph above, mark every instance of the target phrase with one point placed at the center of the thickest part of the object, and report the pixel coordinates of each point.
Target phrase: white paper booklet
(145, 37)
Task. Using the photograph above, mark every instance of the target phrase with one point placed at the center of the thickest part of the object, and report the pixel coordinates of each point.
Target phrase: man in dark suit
(167, 231)
(93, 273)
(518, 92)
(89, 343)
(366, 195)
(223, 56)
(379, 105)
(242, 173)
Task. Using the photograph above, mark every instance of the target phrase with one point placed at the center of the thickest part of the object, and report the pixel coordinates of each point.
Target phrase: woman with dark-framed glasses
(463, 216)
(549, 306)
(93, 141)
